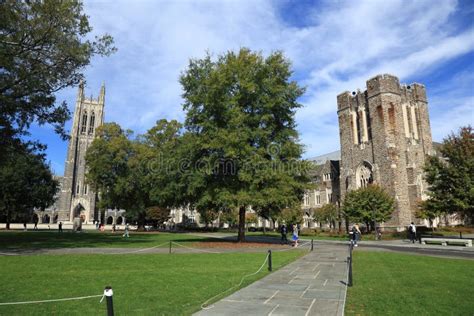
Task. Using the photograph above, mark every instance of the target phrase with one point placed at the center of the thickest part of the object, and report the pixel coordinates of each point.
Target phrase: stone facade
(385, 136)
(325, 177)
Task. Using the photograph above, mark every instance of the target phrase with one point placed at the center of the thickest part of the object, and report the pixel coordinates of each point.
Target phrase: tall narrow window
(78, 189)
(84, 122)
(91, 124)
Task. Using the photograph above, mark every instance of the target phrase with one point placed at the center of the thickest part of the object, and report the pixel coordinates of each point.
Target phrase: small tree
(451, 178)
(327, 213)
(251, 218)
(369, 205)
(208, 216)
(157, 215)
(291, 216)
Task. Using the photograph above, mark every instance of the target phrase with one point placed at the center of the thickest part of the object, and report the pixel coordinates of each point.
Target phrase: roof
(320, 160)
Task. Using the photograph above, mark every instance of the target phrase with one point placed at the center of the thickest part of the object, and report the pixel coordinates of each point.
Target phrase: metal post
(269, 260)
(350, 265)
(108, 293)
(312, 245)
(170, 246)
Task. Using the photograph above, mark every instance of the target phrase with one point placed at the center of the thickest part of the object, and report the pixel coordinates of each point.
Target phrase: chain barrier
(205, 304)
(53, 300)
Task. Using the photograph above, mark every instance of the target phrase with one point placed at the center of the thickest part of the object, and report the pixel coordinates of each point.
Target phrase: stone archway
(364, 175)
(119, 220)
(46, 219)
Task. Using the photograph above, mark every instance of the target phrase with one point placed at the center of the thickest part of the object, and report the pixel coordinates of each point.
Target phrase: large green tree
(26, 182)
(43, 49)
(451, 176)
(370, 205)
(110, 160)
(243, 150)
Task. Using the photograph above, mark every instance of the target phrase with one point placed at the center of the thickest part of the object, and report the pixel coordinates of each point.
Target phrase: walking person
(114, 228)
(283, 231)
(295, 235)
(355, 234)
(60, 227)
(126, 231)
(412, 232)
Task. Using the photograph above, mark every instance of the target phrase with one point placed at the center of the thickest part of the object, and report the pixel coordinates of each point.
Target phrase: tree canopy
(26, 182)
(43, 49)
(369, 204)
(451, 177)
(244, 148)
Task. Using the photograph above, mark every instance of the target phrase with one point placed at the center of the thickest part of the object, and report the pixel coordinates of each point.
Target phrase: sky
(334, 46)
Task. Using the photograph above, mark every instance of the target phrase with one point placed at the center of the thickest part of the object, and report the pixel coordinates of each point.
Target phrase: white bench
(446, 241)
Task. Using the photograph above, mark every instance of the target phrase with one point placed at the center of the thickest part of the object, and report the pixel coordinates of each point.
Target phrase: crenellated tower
(385, 136)
(77, 200)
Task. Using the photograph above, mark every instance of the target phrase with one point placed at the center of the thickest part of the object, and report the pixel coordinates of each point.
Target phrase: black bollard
(108, 293)
(269, 260)
(170, 246)
(350, 265)
(312, 245)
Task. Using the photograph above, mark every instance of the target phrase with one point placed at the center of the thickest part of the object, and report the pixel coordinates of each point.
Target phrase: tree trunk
(8, 220)
(241, 236)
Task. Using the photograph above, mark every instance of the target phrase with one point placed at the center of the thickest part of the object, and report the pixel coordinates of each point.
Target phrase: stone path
(312, 285)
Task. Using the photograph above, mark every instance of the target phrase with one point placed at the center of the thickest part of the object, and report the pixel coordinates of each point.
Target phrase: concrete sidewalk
(312, 285)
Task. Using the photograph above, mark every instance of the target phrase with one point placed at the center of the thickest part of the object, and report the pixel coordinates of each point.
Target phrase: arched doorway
(110, 220)
(119, 220)
(46, 219)
(55, 219)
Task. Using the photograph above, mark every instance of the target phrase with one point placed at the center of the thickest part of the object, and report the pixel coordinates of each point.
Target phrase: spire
(80, 91)
(102, 93)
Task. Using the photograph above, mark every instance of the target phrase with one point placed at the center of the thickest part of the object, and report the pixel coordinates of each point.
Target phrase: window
(85, 189)
(306, 199)
(327, 177)
(91, 124)
(78, 189)
(84, 122)
(318, 198)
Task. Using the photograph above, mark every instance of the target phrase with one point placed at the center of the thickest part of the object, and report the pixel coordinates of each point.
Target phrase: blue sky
(334, 46)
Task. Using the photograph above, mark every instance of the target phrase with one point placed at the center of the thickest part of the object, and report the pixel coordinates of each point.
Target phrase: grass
(401, 284)
(93, 239)
(143, 284)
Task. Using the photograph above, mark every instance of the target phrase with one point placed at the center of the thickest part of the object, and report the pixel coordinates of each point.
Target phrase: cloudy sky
(334, 46)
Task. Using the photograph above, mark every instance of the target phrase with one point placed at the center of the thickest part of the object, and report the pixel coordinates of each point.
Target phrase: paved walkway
(311, 285)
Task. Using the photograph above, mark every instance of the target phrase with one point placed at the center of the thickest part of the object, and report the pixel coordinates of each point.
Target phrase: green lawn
(68, 239)
(157, 284)
(401, 284)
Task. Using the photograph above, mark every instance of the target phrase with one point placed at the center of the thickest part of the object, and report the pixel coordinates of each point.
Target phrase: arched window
(84, 122)
(91, 124)
(364, 175)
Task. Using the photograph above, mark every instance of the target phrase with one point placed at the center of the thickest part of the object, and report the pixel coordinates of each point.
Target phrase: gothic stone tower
(385, 136)
(77, 199)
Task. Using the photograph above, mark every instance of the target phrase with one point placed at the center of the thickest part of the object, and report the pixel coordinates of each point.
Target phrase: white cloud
(342, 45)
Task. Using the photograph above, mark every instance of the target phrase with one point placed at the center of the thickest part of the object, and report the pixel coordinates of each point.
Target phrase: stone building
(325, 177)
(385, 136)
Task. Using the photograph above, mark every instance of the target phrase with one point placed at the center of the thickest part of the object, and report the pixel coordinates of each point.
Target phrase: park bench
(446, 241)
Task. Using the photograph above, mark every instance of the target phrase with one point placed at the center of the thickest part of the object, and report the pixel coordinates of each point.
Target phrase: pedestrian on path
(355, 232)
(60, 227)
(295, 235)
(283, 231)
(412, 232)
(126, 231)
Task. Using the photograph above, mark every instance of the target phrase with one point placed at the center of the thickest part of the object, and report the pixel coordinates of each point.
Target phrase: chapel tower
(385, 136)
(77, 200)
